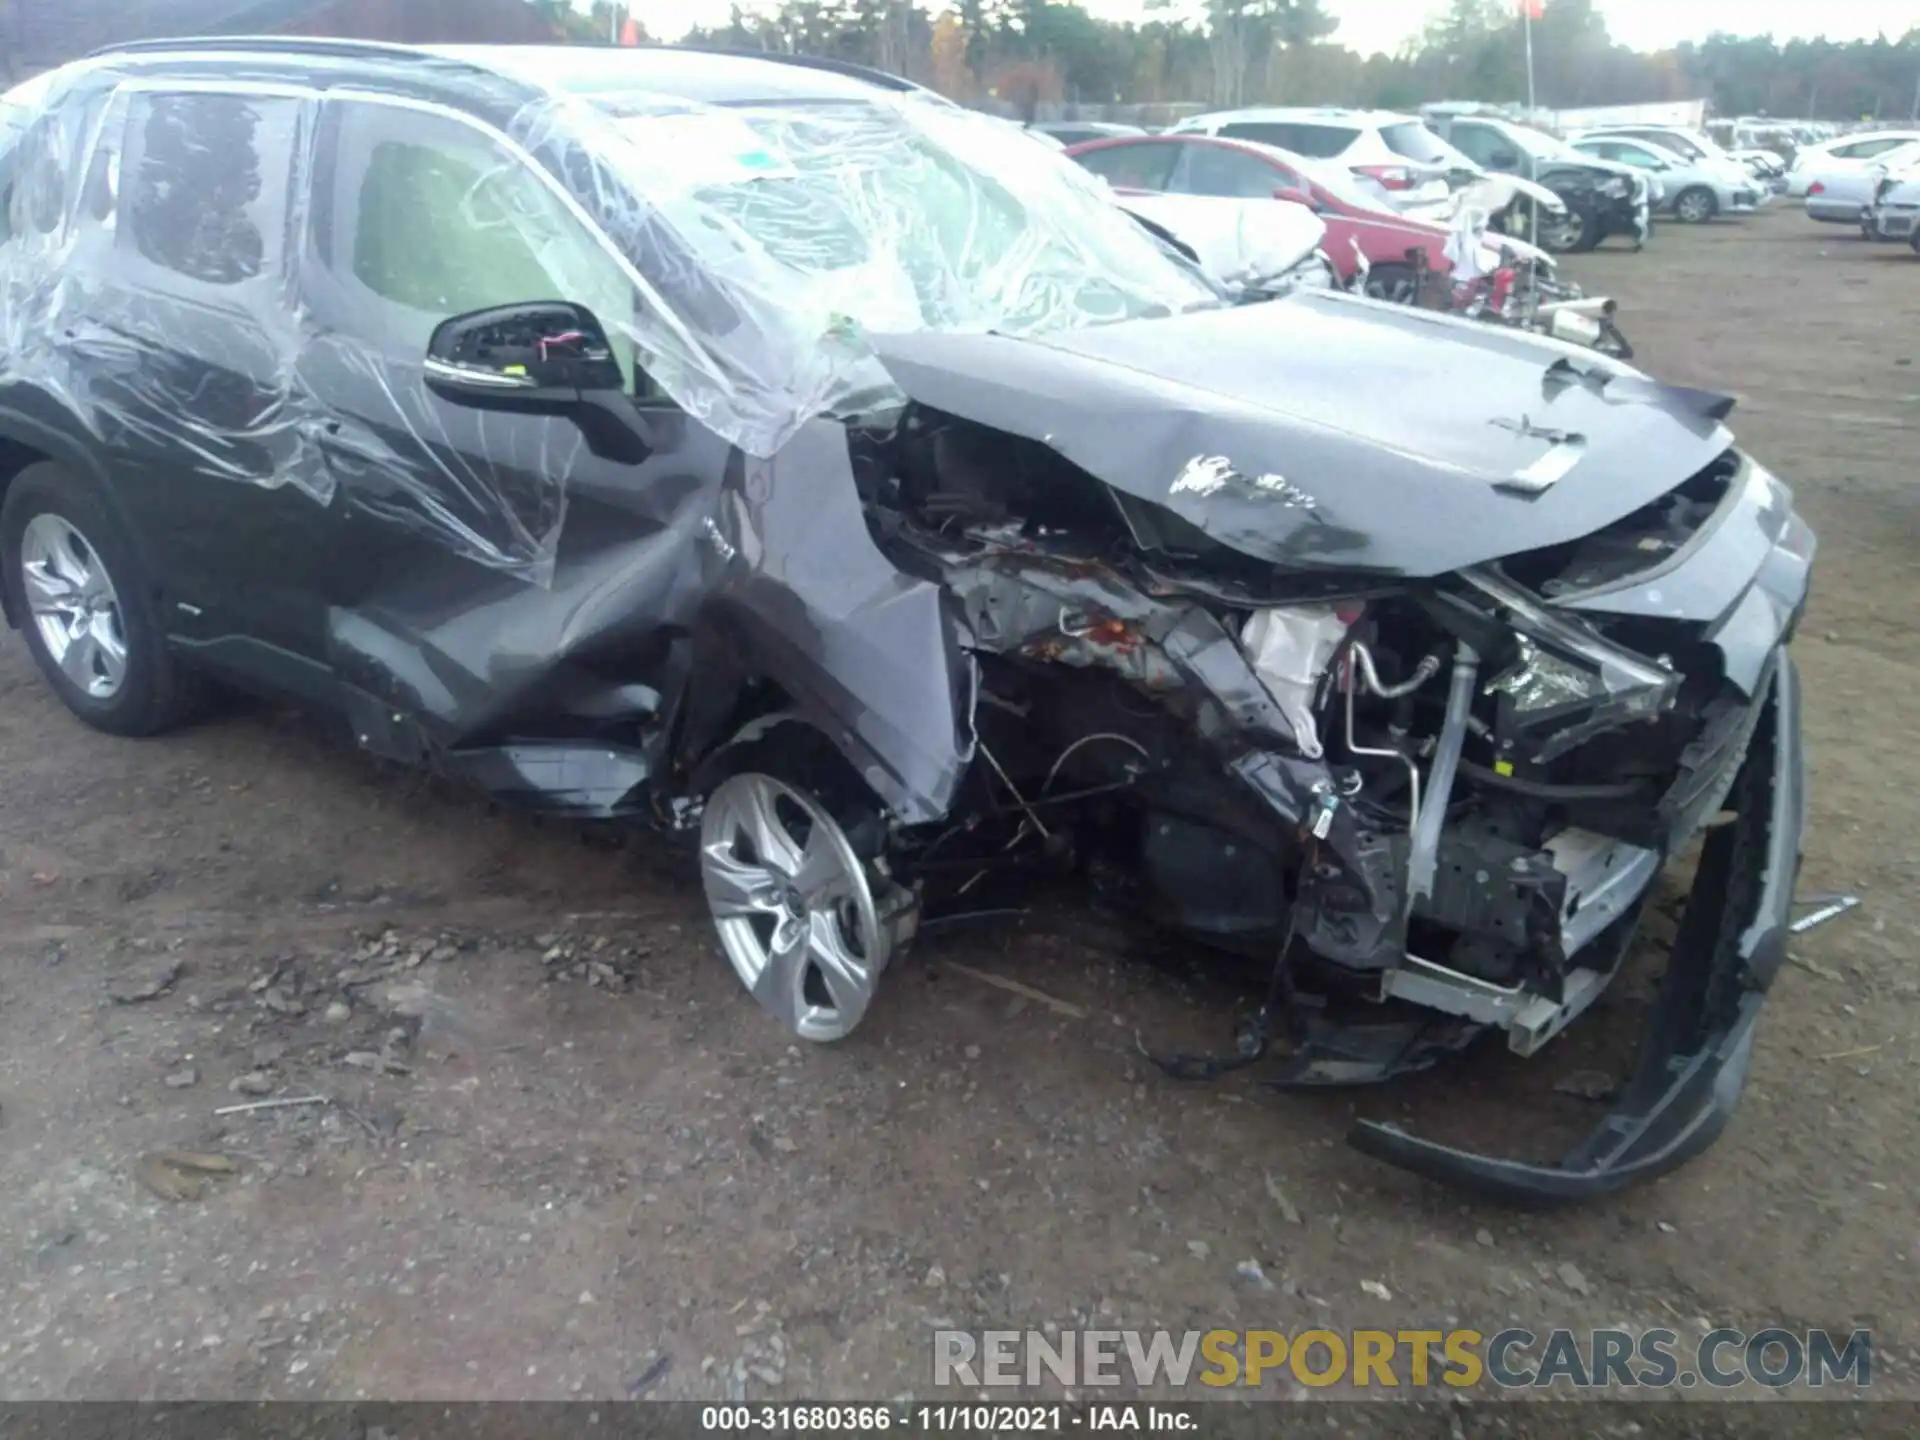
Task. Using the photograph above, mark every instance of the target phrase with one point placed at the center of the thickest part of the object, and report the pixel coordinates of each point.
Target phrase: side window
(1222, 170)
(201, 189)
(1147, 165)
(1316, 142)
(427, 218)
(1867, 149)
(1476, 142)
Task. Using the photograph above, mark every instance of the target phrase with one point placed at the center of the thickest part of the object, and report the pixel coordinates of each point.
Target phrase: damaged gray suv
(772, 452)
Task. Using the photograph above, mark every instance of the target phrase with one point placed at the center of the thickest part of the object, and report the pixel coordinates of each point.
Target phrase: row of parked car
(1611, 181)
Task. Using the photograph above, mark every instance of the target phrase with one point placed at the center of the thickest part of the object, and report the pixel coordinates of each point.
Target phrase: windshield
(768, 239)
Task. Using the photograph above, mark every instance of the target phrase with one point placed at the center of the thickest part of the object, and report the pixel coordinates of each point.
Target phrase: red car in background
(1245, 169)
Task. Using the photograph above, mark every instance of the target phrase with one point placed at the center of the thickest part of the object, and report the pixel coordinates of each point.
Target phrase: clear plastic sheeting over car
(767, 241)
(737, 257)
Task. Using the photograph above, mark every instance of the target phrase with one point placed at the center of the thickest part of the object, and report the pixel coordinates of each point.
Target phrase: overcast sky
(1368, 25)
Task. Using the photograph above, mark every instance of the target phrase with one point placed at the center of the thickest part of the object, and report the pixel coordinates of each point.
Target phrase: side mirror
(543, 358)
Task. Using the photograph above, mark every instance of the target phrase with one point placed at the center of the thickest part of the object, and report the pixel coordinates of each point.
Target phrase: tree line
(1025, 53)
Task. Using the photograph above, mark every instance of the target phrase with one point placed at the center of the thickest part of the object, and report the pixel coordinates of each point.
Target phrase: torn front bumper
(1694, 1058)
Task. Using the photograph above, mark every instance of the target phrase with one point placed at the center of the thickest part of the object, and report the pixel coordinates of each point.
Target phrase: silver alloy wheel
(1560, 233)
(1695, 207)
(793, 906)
(74, 605)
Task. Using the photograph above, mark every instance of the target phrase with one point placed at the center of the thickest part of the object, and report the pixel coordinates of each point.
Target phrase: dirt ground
(565, 1156)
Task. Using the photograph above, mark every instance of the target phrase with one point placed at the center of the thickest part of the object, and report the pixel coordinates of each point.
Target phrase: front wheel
(1572, 232)
(1696, 206)
(85, 606)
(800, 896)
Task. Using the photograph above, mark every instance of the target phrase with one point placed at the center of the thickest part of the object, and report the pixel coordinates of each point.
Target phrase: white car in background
(1396, 158)
(1893, 213)
(1836, 156)
(1697, 190)
(1841, 196)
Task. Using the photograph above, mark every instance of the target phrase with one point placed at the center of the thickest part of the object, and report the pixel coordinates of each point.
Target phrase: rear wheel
(1696, 206)
(85, 606)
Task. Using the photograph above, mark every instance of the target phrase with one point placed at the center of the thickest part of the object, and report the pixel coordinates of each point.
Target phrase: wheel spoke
(78, 661)
(779, 985)
(113, 650)
(821, 876)
(735, 888)
(48, 592)
(771, 842)
(847, 980)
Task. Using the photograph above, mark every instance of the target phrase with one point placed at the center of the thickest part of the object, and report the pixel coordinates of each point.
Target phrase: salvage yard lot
(567, 1157)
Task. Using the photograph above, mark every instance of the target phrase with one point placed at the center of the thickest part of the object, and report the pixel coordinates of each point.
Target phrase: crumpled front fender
(875, 659)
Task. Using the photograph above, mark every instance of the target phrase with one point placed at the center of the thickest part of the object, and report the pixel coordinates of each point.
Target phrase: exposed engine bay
(1113, 638)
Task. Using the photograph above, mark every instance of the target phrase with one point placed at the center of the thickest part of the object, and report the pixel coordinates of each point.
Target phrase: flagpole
(1527, 23)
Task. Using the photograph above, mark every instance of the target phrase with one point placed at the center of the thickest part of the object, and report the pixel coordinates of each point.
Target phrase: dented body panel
(1383, 469)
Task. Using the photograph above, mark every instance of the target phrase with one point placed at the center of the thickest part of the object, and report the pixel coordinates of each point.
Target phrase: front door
(489, 574)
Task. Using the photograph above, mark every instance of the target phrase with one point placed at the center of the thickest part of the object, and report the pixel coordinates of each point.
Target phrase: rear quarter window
(1412, 140)
(1316, 142)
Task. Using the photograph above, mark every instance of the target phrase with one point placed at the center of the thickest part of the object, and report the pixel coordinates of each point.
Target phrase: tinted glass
(1481, 144)
(1222, 170)
(1143, 166)
(1316, 142)
(443, 222)
(204, 191)
(1412, 140)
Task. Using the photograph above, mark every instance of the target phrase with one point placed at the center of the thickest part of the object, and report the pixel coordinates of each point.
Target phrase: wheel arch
(745, 671)
(25, 442)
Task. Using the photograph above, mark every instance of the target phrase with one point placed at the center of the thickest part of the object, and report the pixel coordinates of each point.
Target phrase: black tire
(1397, 284)
(1698, 193)
(152, 694)
(1579, 233)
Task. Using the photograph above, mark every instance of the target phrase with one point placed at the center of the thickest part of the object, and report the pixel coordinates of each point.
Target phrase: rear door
(179, 336)
(1227, 170)
(1145, 164)
(477, 553)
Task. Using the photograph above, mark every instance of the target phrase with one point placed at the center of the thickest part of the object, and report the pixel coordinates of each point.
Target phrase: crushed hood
(1321, 430)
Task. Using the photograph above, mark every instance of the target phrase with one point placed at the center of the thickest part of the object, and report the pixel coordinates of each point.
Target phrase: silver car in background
(1894, 211)
(1696, 190)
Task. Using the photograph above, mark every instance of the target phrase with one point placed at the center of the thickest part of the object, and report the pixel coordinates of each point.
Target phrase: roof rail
(275, 44)
(884, 79)
(302, 45)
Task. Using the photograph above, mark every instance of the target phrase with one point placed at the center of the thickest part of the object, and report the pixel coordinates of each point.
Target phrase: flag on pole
(1533, 9)
(630, 32)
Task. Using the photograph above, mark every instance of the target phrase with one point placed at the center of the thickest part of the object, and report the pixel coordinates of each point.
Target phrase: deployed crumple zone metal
(781, 457)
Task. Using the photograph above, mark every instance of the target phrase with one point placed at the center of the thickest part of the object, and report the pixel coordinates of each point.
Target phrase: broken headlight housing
(1566, 684)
